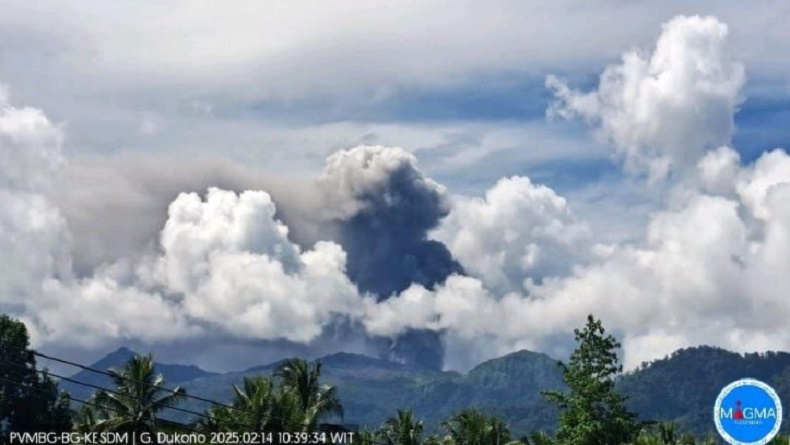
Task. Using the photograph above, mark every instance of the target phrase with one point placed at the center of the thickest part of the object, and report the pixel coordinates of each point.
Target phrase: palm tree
(215, 420)
(402, 429)
(288, 414)
(219, 419)
(258, 405)
(439, 440)
(666, 430)
(313, 400)
(471, 427)
(537, 438)
(366, 437)
(253, 403)
(646, 438)
(497, 432)
(88, 419)
(139, 397)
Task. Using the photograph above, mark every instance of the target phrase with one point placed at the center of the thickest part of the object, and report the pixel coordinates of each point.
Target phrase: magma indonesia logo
(748, 412)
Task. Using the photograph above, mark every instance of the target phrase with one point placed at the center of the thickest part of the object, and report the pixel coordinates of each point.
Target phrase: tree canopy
(29, 398)
(592, 412)
(138, 399)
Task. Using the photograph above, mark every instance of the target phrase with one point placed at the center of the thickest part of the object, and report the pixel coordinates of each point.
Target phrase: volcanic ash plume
(383, 207)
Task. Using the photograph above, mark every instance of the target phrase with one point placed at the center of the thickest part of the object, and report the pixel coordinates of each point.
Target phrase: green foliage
(135, 403)
(402, 429)
(298, 403)
(683, 386)
(665, 433)
(315, 400)
(679, 388)
(251, 410)
(366, 437)
(88, 419)
(466, 427)
(259, 405)
(439, 440)
(471, 427)
(780, 440)
(593, 412)
(29, 400)
(537, 438)
(372, 390)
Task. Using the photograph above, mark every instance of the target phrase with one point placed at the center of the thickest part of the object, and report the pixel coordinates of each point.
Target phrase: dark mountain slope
(681, 387)
(684, 386)
(372, 389)
(174, 374)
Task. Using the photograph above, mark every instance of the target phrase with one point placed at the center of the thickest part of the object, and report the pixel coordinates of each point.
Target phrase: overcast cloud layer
(373, 252)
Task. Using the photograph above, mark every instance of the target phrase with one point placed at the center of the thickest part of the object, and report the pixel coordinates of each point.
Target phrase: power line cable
(109, 374)
(101, 407)
(88, 403)
(111, 391)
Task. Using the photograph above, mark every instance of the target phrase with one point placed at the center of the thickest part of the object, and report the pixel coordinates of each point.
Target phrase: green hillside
(684, 386)
(681, 387)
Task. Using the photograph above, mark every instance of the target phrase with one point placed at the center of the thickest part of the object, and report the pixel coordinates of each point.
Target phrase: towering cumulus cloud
(34, 241)
(232, 264)
(364, 256)
(384, 207)
(663, 110)
(225, 266)
(519, 233)
(712, 266)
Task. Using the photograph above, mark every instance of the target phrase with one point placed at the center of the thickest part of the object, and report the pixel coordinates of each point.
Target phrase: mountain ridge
(174, 373)
(680, 387)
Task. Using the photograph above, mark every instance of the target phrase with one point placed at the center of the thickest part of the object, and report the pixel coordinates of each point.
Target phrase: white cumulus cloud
(34, 240)
(662, 109)
(711, 267)
(518, 231)
(225, 265)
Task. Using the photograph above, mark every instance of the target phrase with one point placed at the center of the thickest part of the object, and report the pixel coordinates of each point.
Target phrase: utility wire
(88, 403)
(111, 375)
(106, 373)
(90, 385)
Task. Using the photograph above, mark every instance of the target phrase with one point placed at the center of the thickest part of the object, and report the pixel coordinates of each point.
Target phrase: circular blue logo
(748, 412)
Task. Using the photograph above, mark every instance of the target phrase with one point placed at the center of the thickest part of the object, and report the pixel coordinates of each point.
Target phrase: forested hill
(681, 387)
(684, 386)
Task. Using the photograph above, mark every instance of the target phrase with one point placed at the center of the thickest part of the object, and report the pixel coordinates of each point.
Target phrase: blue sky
(153, 99)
